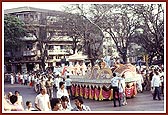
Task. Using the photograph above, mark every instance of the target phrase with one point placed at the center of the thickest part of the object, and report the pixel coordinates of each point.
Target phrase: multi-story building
(39, 23)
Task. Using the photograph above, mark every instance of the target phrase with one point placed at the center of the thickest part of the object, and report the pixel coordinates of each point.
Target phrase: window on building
(51, 47)
(20, 16)
(61, 47)
(50, 57)
(58, 57)
(26, 16)
(29, 46)
(50, 64)
(32, 17)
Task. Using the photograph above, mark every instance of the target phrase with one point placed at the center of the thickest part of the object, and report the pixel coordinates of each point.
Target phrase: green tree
(87, 36)
(151, 29)
(117, 20)
(13, 31)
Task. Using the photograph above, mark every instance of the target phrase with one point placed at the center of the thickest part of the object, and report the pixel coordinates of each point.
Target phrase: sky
(44, 5)
(52, 5)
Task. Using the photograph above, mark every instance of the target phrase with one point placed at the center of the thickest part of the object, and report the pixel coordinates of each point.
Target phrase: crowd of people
(54, 91)
(14, 102)
(148, 79)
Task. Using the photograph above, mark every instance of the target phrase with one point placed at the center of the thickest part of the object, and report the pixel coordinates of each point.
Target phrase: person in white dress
(139, 81)
(21, 79)
(155, 85)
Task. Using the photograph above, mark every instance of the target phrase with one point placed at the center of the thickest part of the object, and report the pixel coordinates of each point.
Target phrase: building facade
(46, 37)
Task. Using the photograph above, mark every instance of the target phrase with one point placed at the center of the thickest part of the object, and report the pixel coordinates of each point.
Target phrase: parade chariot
(96, 82)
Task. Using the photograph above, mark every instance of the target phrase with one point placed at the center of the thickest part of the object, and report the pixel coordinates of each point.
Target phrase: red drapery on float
(99, 92)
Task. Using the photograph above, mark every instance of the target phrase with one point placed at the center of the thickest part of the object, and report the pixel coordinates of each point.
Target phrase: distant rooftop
(29, 9)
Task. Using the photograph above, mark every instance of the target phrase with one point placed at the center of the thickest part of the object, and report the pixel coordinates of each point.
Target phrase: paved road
(142, 101)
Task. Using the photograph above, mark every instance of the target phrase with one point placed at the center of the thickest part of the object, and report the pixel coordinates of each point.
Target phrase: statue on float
(101, 72)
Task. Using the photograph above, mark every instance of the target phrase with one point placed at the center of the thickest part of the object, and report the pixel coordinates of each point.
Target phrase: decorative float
(96, 83)
(130, 78)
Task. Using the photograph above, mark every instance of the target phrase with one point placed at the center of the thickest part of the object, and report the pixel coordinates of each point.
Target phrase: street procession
(87, 57)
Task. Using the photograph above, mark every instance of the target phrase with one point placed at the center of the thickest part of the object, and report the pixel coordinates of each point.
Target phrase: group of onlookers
(152, 79)
(148, 79)
(37, 80)
(44, 103)
(13, 102)
(53, 94)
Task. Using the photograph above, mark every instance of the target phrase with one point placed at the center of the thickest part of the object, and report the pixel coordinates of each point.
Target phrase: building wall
(34, 20)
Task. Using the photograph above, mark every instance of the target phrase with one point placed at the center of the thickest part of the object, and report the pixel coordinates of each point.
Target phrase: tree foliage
(13, 31)
(151, 29)
(127, 23)
(118, 21)
(82, 29)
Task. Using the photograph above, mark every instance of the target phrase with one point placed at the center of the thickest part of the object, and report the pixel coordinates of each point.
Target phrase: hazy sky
(59, 6)
(43, 5)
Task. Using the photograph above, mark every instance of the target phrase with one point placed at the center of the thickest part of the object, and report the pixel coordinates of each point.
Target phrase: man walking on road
(115, 86)
(68, 85)
(49, 86)
(155, 84)
(42, 101)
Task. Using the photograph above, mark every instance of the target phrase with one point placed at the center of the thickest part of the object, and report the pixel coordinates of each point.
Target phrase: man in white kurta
(42, 102)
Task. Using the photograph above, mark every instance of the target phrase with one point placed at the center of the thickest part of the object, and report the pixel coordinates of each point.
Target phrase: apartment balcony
(30, 53)
(57, 52)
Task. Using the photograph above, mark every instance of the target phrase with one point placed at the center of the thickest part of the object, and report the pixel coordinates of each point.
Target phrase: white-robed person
(140, 81)
(57, 80)
(12, 78)
(20, 98)
(62, 91)
(122, 90)
(42, 101)
(155, 85)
